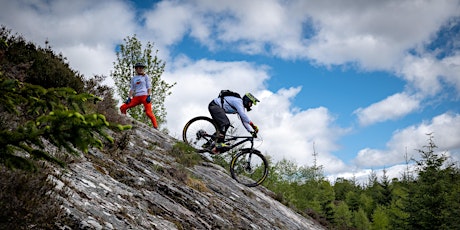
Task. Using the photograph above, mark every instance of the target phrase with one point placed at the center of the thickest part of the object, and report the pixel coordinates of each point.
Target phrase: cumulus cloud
(393, 107)
(248, 26)
(426, 78)
(451, 71)
(328, 32)
(297, 134)
(361, 176)
(429, 75)
(176, 16)
(82, 30)
(376, 35)
(445, 129)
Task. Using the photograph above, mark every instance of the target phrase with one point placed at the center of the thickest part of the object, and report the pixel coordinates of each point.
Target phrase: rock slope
(137, 184)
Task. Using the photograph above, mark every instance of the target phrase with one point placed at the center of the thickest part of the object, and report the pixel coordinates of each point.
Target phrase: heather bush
(27, 201)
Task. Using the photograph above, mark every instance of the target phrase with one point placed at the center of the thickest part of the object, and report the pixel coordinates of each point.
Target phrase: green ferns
(55, 115)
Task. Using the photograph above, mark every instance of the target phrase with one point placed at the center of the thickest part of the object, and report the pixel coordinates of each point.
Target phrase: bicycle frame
(209, 137)
(246, 139)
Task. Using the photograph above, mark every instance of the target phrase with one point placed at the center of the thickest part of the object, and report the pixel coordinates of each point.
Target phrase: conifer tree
(430, 205)
(342, 216)
(380, 219)
(55, 115)
(360, 220)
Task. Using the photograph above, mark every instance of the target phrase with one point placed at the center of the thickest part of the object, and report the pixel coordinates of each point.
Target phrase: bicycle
(248, 166)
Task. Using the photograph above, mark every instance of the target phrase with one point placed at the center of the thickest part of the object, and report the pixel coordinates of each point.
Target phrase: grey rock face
(138, 185)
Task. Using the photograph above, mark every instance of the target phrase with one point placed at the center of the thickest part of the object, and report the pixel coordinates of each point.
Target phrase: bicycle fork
(247, 164)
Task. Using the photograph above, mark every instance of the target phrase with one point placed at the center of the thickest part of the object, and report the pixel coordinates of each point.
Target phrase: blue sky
(362, 81)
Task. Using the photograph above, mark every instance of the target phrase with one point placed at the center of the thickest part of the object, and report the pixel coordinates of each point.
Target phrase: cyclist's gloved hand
(148, 99)
(254, 134)
(256, 129)
(128, 100)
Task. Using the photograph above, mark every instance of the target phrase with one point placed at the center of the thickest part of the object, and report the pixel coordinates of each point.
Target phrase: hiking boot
(220, 148)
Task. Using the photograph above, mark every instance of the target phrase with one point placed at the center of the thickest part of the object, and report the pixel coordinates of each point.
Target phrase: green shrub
(39, 66)
(185, 154)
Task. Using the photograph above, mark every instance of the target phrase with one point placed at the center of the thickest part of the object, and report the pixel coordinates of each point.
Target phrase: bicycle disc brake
(247, 167)
(201, 133)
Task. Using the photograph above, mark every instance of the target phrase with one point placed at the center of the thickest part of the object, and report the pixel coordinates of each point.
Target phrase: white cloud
(374, 34)
(427, 75)
(451, 70)
(85, 32)
(361, 176)
(249, 24)
(342, 32)
(169, 21)
(292, 131)
(422, 73)
(393, 107)
(98, 58)
(445, 129)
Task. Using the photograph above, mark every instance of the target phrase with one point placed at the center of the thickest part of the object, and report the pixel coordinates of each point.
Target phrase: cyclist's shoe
(220, 148)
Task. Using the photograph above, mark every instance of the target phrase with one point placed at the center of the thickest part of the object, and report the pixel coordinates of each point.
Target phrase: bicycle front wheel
(199, 131)
(249, 167)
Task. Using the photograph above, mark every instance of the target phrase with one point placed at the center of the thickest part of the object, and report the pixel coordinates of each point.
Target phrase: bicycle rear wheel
(249, 167)
(198, 132)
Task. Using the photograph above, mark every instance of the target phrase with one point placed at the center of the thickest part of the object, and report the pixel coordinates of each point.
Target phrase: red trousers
(147, 106)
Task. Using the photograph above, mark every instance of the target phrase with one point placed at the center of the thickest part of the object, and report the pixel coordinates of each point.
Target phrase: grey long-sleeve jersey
(238, 108)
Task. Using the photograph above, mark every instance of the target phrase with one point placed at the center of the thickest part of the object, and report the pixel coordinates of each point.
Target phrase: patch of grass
(223, 159)
(197, 184)
(185, 154)
(157, 168)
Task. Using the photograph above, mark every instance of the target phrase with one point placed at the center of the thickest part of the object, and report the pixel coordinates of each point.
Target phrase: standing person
(230, 104)
(139, 93)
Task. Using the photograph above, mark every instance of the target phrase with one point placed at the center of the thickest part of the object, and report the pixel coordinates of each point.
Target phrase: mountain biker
(218, 108)
(139, 93)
